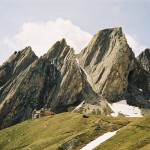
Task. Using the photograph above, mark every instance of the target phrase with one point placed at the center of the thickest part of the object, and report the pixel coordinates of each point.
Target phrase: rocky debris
(71, 144)
(53, 81)
(100, 107)
(97, 127)
(144, 59)
(115, 72)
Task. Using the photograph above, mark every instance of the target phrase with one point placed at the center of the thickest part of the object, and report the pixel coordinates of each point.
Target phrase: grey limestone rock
(107, 59)
(105, 70)
(18, 62)
(54, 81)
(144, 59)
(115, 73)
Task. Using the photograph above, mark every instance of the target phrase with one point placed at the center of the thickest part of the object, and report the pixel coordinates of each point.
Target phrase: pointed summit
(18, 62)
(60, 50)
(116, 31)
(107, 59)
(54, 81)
(63, 42)
(103, 44)
(106, 70)
(115, 72)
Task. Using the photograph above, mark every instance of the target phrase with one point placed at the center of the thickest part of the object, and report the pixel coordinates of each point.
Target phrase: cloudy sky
(40, 23)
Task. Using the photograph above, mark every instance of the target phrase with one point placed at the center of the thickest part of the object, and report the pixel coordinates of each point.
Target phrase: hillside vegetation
(74, 130)
(135, 136)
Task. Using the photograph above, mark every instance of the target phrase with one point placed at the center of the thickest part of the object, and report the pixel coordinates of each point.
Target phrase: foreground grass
(135, 136)
(66, 130)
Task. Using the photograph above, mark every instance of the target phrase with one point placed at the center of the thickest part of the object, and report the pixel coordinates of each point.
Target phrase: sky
(40, 23)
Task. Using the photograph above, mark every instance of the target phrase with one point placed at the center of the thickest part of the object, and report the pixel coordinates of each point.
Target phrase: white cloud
(134, 44)
(41, 36)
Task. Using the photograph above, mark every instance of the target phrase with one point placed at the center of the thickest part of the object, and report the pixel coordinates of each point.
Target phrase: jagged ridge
(115, 72)
(107, 70)
(53, 81)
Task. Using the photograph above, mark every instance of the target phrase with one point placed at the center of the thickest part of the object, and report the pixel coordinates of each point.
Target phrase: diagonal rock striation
(115, 72)
(53, 81)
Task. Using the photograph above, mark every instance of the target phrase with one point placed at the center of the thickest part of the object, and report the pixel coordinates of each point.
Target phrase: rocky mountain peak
(114, 70)
(116, 31)
(104, 70)
(102, 45)
(54, 81)
(16, 63)
(27, 51)
(107, 60)
(63, 42)
(144, 59)
(60, 50)
(107, 33)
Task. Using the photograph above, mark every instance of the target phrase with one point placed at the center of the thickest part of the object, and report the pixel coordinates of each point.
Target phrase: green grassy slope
(135, 136)
(66, 130)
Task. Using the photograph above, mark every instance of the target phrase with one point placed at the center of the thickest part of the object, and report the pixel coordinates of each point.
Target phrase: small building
(41, 113)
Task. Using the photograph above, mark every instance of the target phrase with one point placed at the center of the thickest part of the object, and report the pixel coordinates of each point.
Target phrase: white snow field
(99, 140)
(123, 108)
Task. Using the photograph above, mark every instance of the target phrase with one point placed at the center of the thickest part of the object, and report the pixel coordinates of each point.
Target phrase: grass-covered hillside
(73, 130)
(135, 136)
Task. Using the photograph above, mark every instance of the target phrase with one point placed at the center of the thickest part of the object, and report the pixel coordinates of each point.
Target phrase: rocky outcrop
(107, 60)
(139, 82)
(53, 81)
(114, 71)
(18, 62)
(144, 59)
(105, 70)
(138, 91)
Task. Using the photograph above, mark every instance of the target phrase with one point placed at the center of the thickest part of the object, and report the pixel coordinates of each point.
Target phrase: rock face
(105, 70)
(144, 59)
(107, 60)
(18, 62)
(114, 71)
(138, 91)
(53, 81)
(139, 81)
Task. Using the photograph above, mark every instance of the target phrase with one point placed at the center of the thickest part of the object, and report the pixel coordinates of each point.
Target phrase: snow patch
(79, 106)
(99, 140)
(124, 108)
(141, 90)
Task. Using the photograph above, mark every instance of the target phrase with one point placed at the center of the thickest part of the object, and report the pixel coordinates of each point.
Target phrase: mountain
(115, 73)
(106, 71)
(53, 81)
(106, 59)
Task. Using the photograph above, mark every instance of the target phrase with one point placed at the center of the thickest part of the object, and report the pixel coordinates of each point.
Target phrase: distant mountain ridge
(105, 71)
